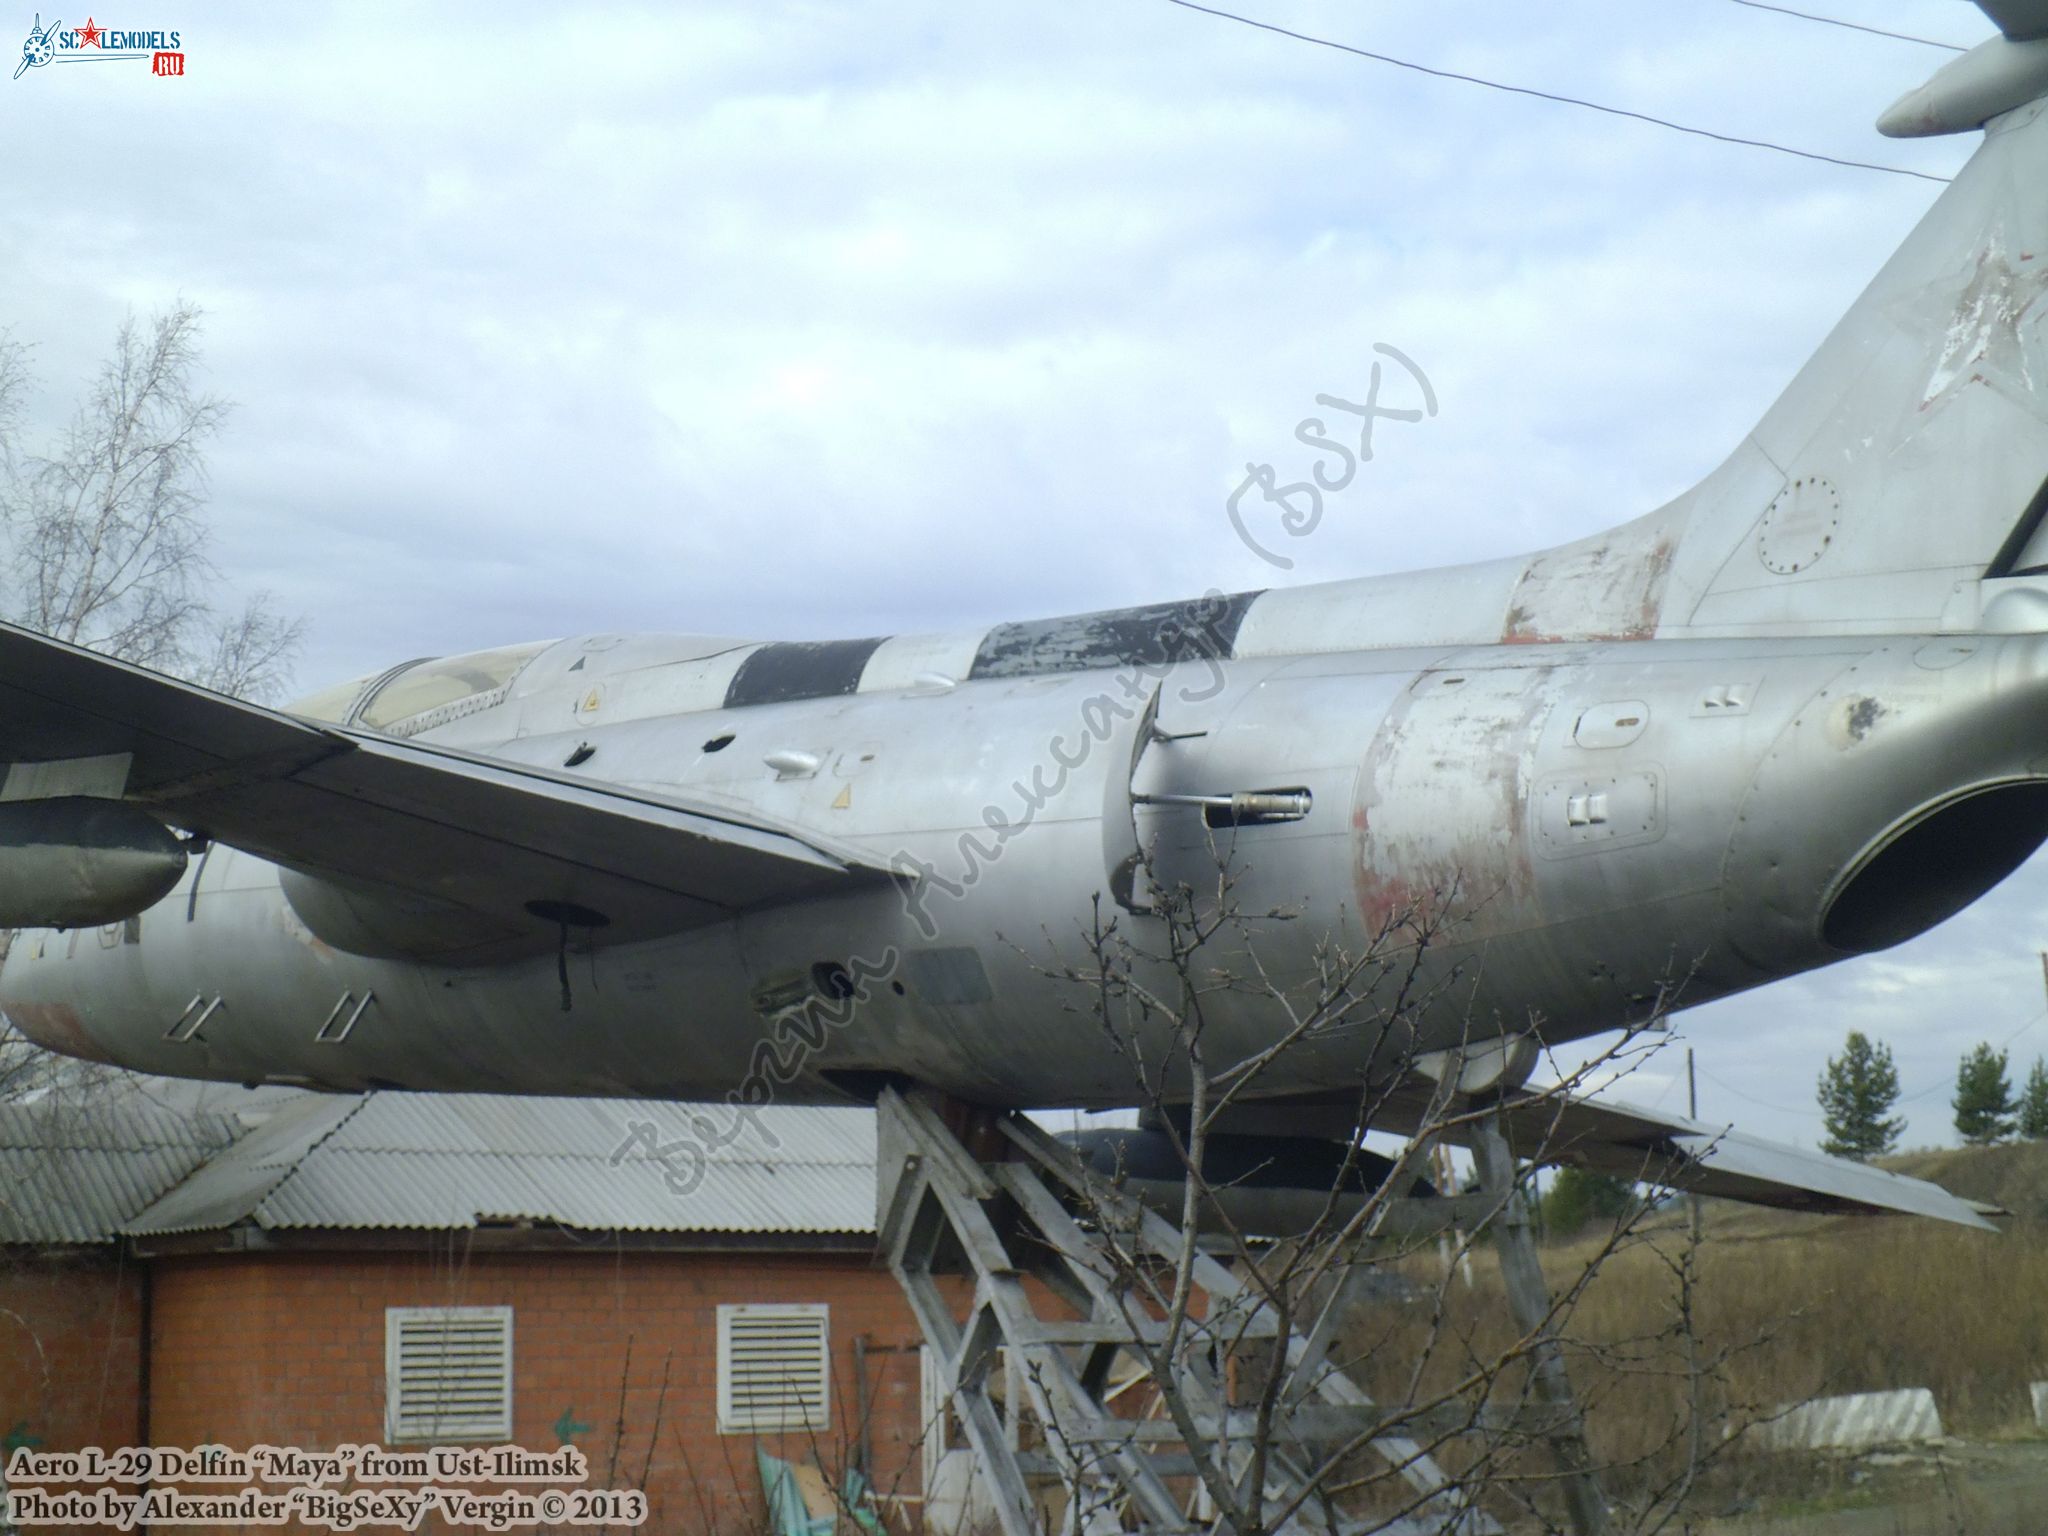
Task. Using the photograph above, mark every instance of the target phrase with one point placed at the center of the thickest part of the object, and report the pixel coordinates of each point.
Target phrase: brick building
(413, 1270)
(72, 1298)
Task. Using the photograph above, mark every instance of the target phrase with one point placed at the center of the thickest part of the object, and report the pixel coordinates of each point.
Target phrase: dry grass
(1838, 1307)
(1787, 1307)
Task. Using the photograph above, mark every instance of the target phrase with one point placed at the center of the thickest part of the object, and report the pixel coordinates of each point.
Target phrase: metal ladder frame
(942, 1210)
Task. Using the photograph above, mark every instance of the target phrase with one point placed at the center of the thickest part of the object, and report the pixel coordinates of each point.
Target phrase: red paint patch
(56, 1026)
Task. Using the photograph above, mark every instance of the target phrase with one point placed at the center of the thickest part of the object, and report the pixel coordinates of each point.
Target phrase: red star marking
(88, 35)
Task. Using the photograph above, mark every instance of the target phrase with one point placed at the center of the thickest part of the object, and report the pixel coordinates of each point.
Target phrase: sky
(796, 320)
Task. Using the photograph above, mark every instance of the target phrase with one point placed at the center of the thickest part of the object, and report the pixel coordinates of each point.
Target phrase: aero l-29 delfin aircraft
(1799, 713)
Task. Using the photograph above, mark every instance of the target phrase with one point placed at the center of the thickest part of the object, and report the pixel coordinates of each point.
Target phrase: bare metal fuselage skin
(1602, 820)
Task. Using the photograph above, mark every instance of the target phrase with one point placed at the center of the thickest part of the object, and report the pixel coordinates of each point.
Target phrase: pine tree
(1856, 1091)
(1577, 1197)
(2034, 1103)
(1983, 1101)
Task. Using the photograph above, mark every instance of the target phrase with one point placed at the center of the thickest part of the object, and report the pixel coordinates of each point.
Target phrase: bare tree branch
(106, 533)
(1476, 1413)
(253, 652)
(15, 379)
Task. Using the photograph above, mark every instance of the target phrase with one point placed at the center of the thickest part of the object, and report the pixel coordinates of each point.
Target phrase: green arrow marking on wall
(568, 1426)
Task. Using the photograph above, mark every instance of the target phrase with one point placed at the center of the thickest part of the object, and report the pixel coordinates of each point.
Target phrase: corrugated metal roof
(74, 1172)
(431, 1161)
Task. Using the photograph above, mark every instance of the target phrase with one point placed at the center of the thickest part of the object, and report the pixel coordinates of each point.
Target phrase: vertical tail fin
(1907, 460)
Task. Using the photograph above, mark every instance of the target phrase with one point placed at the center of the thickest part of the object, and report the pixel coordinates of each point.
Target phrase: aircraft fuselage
(1579, 828)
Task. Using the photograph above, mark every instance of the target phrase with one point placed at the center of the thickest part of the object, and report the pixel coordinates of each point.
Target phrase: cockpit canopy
(422, 694)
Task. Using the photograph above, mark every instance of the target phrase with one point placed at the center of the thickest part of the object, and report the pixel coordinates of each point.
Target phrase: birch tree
(106, 530)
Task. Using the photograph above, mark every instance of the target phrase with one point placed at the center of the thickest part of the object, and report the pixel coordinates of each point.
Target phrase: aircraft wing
(1704, 1159)
(1648, 1145)
(511, 846)
(2019, 20)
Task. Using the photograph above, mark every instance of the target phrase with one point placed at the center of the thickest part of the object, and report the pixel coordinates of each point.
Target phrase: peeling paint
(1442, 816)
(1851, 721)
(1985, 326)
(1606, 588)
(1158, 635)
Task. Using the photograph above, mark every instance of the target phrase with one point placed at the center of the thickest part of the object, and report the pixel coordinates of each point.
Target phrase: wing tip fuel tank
(79, 862)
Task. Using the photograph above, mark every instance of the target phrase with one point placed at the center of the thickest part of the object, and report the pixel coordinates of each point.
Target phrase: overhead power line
(1569, 101)
(1905, 1098)
(2004, 1044)
(1853, 26)
(1805, 1111)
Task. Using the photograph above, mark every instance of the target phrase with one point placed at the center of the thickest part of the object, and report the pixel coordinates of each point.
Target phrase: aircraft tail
(1901, 480)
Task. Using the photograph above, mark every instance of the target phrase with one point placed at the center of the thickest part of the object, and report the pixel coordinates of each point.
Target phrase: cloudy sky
(799, 320)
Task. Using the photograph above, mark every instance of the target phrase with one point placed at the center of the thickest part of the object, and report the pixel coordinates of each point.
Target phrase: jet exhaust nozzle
(75, 862)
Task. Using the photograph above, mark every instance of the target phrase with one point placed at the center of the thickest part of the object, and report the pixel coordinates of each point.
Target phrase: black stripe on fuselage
(1157, 635)
(799, 669)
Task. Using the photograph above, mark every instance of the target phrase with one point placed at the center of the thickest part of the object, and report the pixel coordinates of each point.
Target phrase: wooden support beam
(1530, 1302)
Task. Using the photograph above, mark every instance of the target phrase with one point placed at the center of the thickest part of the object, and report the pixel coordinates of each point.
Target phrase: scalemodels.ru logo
(93, 43)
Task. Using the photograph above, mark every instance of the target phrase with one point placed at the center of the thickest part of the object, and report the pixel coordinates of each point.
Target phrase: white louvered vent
(447, 1374)
(773, 1368)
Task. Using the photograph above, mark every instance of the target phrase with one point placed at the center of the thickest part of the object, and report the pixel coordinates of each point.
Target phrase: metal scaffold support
(996, 1232)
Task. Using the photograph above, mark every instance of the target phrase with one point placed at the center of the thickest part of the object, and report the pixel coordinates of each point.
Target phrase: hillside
(2014, 1175)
